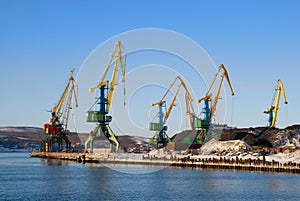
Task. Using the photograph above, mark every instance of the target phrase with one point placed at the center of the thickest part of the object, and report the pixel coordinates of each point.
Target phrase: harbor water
(25, 178)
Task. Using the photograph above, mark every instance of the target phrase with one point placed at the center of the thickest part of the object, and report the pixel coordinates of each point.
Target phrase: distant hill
(29, 138)
(14, 138)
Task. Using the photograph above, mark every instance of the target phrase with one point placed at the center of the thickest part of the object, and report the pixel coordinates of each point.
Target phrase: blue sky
(258, 41)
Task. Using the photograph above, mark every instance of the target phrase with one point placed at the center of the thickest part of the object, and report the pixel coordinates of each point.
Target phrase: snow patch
(290, 139)
(214, 146)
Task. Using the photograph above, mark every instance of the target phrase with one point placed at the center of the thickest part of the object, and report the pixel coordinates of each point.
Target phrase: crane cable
(76, 116)
(124, 93)
(232, 110)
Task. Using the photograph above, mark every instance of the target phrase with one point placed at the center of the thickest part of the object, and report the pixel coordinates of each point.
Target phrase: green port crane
(57, 129)
(161, 136)
(273, 109)
(106, 88)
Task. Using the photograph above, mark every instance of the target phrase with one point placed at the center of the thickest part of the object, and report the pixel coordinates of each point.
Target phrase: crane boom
(172, 104)
(68, 107)
(190, 110)
(57, 109)
(215, 100)
(273, 109)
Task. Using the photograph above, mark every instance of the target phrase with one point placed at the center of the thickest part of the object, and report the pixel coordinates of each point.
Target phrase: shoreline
(194, 162)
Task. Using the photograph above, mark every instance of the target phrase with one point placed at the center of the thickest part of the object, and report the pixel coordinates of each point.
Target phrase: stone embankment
(197, 162)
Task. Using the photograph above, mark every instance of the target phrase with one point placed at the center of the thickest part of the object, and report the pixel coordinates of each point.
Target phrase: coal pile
(264, 136)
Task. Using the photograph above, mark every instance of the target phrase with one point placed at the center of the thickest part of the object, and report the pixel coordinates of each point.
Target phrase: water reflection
(54, 162)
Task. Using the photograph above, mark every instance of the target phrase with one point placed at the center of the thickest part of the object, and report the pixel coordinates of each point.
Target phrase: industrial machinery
(100, 116)
(210, 102)
(272, 110)
(57, 129)
(161, 136)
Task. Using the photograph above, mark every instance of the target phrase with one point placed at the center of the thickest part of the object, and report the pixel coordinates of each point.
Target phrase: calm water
(25, 178)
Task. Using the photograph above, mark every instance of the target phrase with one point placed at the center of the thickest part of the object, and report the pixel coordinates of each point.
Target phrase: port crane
(106, 89)
(161, 136)
(57, 129)
(272, 110)
(210, 102)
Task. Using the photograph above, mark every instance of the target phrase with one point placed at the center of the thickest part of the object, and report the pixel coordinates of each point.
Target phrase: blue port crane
(210, 101)
(106, 88)
(273, 109)
(161, 136)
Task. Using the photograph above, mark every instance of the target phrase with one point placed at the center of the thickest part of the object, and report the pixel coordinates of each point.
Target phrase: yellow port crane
(101, 117)
(160, 136)
(57, 129)
(272, 110)
(210, 101)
